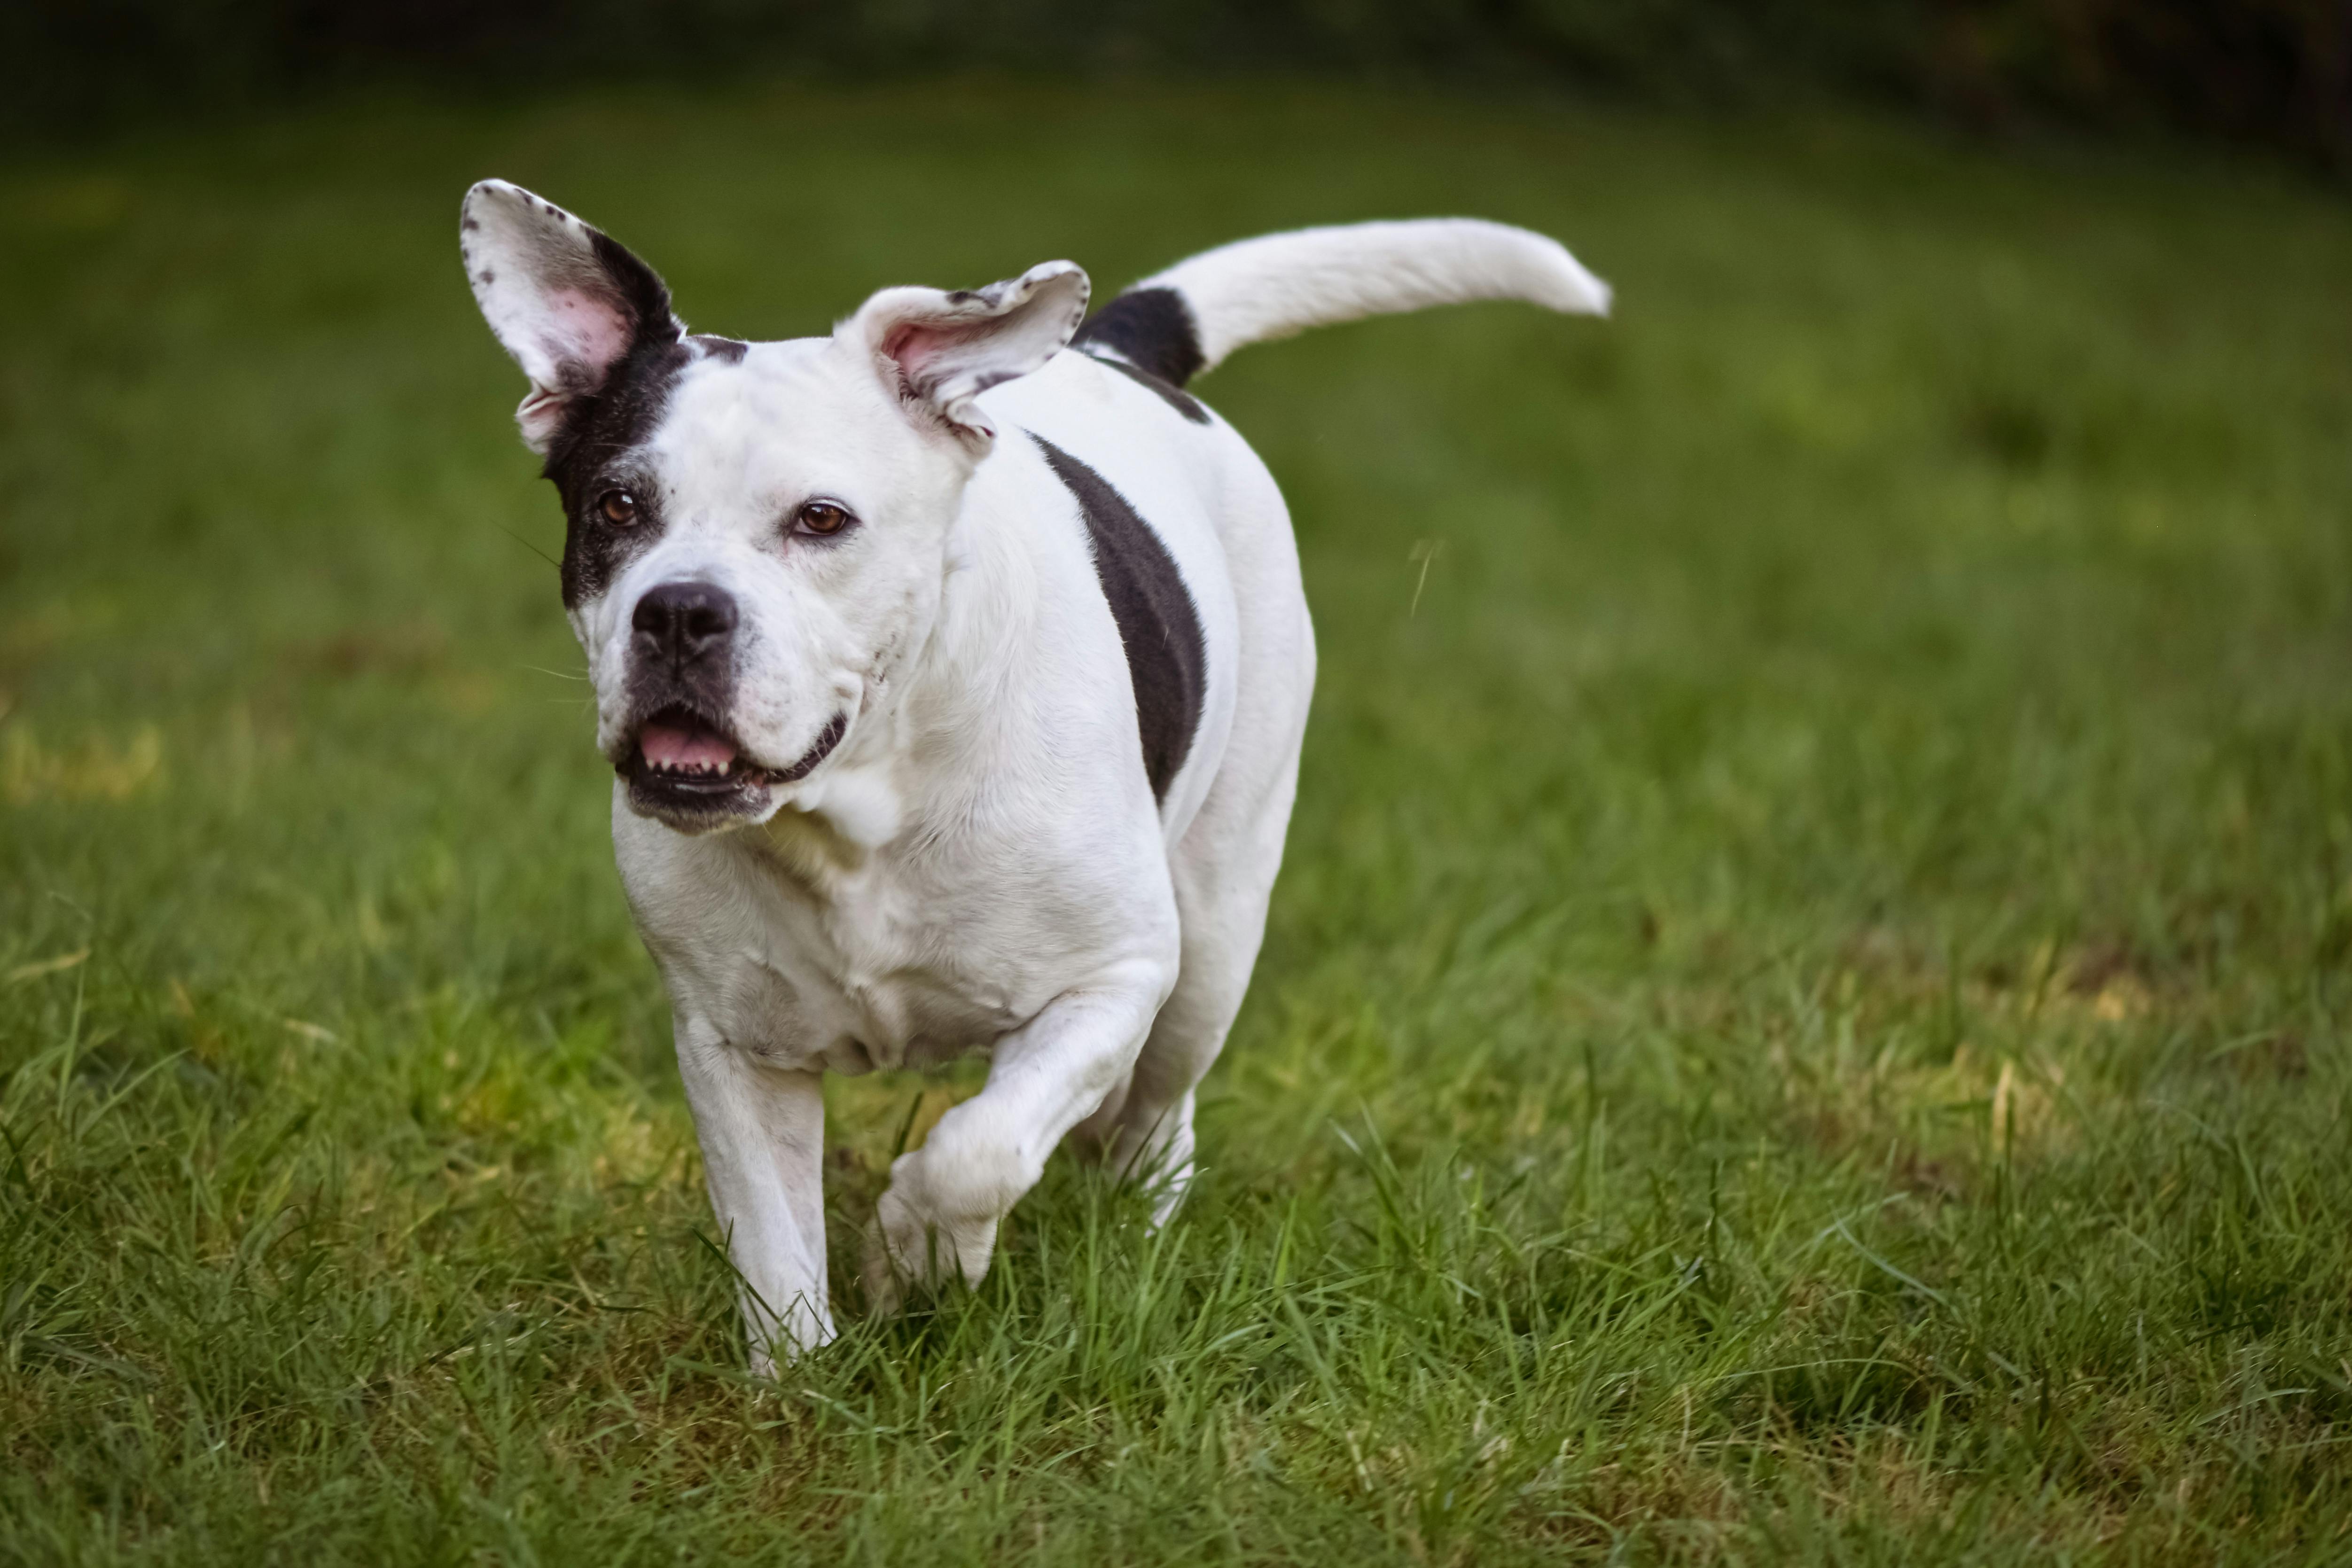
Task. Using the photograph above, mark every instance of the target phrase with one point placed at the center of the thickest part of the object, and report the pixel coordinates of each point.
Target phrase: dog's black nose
(679, 623)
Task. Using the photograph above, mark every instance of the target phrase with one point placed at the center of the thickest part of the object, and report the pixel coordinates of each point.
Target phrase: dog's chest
(886, 971)
(806, 958)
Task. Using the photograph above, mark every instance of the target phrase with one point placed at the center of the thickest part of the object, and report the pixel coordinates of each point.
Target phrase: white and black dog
(955, 668)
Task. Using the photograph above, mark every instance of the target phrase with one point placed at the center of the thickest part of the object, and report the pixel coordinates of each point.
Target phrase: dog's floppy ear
(566, 301)
(940, 350)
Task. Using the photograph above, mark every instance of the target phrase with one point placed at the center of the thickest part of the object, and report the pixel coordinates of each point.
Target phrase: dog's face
(755, 534)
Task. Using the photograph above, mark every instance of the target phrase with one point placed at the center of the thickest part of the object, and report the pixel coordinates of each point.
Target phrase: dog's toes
(910, 1251)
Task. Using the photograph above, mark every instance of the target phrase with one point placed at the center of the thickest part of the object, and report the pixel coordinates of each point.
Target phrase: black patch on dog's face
(1167, 658)
(1153, 329)
(590, 455)
(1183, 402)
(604, 424)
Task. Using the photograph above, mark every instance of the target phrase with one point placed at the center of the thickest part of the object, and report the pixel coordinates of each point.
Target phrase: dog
(954, 669)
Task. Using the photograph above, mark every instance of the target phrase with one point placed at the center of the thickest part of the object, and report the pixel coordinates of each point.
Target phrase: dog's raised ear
(940, 350)
(567, 302)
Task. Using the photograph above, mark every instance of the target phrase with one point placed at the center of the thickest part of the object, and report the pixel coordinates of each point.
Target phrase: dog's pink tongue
(666, 746)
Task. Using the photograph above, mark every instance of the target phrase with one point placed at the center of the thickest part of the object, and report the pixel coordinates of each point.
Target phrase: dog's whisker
(532, 548)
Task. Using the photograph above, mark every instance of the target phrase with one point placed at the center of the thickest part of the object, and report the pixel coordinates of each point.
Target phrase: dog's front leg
(939, 1217)
(762, 1136)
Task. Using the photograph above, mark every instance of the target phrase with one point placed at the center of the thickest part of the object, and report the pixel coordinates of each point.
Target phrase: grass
(1805, 1019)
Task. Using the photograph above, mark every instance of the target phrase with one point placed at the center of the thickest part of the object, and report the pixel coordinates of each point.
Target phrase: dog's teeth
(726, 766)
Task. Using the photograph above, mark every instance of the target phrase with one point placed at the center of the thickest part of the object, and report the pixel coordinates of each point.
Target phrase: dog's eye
(618, 507)
(822, 517)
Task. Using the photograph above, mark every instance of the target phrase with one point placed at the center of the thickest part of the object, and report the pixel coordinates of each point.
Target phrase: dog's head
(755, 533)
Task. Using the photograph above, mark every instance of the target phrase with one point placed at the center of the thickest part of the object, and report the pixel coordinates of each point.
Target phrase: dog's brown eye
(824, 518)
(620, 508)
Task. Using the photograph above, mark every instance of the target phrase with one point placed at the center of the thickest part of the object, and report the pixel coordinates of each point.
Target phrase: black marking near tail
(1167, 659)
(1183, 401)
(1151, 329)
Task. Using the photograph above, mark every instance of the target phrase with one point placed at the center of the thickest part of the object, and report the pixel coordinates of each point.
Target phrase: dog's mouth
(679, 749)
(681, 764)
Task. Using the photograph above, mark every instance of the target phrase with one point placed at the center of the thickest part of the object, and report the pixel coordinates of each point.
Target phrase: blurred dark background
(2276, 73)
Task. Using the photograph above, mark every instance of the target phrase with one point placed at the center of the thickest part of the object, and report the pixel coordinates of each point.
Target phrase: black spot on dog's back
(1167, 658)
(1151, 329)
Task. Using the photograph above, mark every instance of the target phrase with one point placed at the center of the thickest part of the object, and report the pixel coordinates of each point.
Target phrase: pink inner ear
(588, 328)
(913, 348)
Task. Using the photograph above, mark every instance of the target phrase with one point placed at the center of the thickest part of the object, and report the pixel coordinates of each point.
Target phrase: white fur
(979, 864)
(1256, 291)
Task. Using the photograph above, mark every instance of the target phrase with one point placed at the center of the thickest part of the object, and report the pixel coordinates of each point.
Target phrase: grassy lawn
(1805, 1019)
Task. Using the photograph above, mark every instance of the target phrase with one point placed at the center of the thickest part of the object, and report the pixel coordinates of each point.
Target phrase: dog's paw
(927, 1231)
(777, 1342)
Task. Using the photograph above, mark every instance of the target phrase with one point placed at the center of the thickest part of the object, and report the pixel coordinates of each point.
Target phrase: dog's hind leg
(1223, 867)
(1223, 874)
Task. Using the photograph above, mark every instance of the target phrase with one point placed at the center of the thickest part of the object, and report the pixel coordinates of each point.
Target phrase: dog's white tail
(1177, 323)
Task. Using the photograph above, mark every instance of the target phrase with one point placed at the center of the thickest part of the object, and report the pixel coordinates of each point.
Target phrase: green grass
(1806, 1017)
